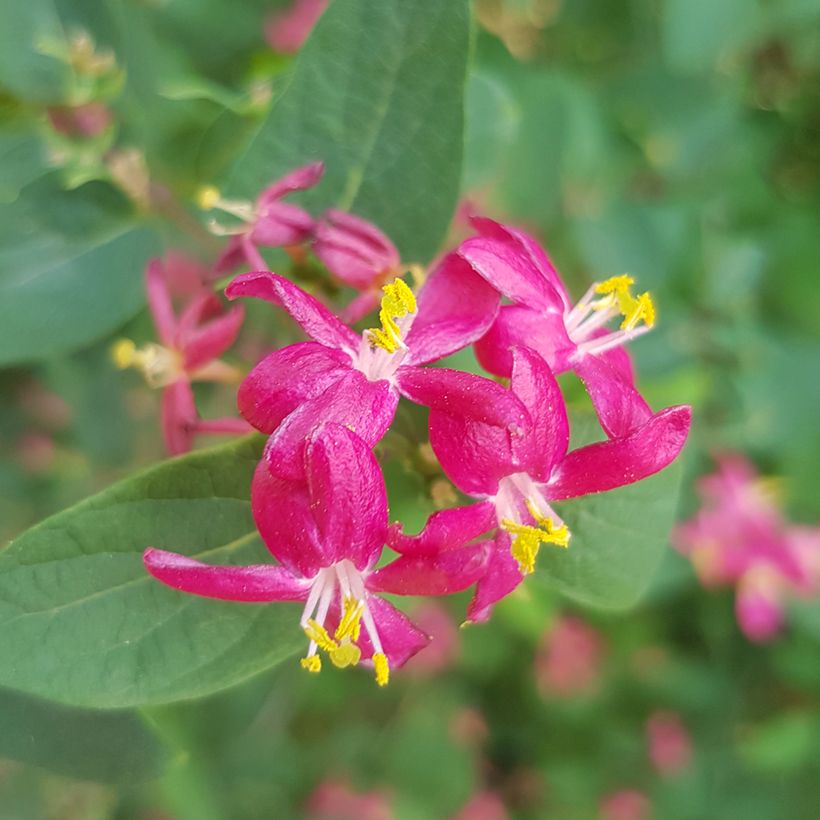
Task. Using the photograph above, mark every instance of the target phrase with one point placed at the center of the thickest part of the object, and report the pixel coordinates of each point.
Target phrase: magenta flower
(669, 742)
(287, 29)
(518, 474)
(569, 659)
(542, 315)
(188, 350)
(626, 804)
(358, 254)
(356, 379)
(269, 222)
(327, 533)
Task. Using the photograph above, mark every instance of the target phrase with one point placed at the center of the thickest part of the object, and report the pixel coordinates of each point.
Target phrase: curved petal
(283, 516)
(617, 462)
(348, 496)
(366, 302)
(280, 224)
(253, 584)
(300, 179)
(455, 307)
(462, 394)
(442, 574)
(619, 406)
(232, 256)
(212, 339)
(445, 530)
(285, 379)
(528, 245)
(547, 436)
(159, 302)
(367, 408)
(400, 638)
(500, 579)
(474, 456)
(307, 311)
(518, 326)
(179, 417)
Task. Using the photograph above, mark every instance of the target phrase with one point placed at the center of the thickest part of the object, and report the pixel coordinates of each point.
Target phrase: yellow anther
(318, 634)
(615, 284)
(382, 668)
(642, 309)
(398, 301)
(208, 197)
(528, 539)
(349, 624)
(634, 309)
(313, 663)
(346, 654)
(124, 353)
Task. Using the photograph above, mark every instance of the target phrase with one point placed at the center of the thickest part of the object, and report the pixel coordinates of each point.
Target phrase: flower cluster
(740, 538)
(318, 496)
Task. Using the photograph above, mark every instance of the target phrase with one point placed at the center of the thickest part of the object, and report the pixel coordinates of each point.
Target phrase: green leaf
(83, 622)
(618, 537)
(70, 268)
(107, 747)
(377, 94)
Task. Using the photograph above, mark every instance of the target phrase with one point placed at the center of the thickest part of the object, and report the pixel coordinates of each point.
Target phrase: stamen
(313, 663)
(158, 365)
(208, 197)
(349, 624)
(528, 539)
(382, 668)
(617, 291)
(398, 301)
(319, 635)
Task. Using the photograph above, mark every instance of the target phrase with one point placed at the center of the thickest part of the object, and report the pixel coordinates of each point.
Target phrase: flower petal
(179, 417)
(455, 307)
(280, 224)
(363, 406)
(159, 302)
(445, 530)
(307, 311)
(253, 584)
(500, 579)
(400, 638)
(619, 406)
(442, 574)
(462, 394)
(348, 496)
(518, 326)
(300, 179)
(617, 462)
(212, 339)
(283, 516)
(285, 379)
(547, 436)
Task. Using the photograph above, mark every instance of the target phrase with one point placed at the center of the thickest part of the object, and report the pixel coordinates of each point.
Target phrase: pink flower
(286, 30)
(568, 663)
(356, 379)
(269, 222)
(443, 650)
(670, 745)
(518, 473)
(188, 350)
(484, 805)
(542, 315)
(327, 534)
(626, 804)
(80, 121)
(358, 254)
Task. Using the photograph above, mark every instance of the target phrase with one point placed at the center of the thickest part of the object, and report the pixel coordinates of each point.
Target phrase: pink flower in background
(569, 659)
(269, 222)
(670, 745)
(518, 472)
(443, 650)
(627, 804)
(356, 379)
(542, 315)
(327, 535)
(80, 121)
(336, 799)
(358, 254)
(286, 30)
(484, 805)
(739, 537)
(189, 348)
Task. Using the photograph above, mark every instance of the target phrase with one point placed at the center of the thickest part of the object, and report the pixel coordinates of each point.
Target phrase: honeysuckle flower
(287, 29)
(569, 658)
(356, 379)
(268, 222)
(625, 804)
(519, 473)
(328, 533)
(358, 254)
(739, 537)
(669, 742)
(338, 800)
(542, 315)
(188, 350)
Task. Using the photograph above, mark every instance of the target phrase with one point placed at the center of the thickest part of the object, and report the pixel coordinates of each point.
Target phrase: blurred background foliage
(677, 140)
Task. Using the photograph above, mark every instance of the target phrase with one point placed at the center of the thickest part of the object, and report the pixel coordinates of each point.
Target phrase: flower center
(525, 514)
(344, 581)
(209, 198)
(160, 366)
(601, 303)
(383, 349)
